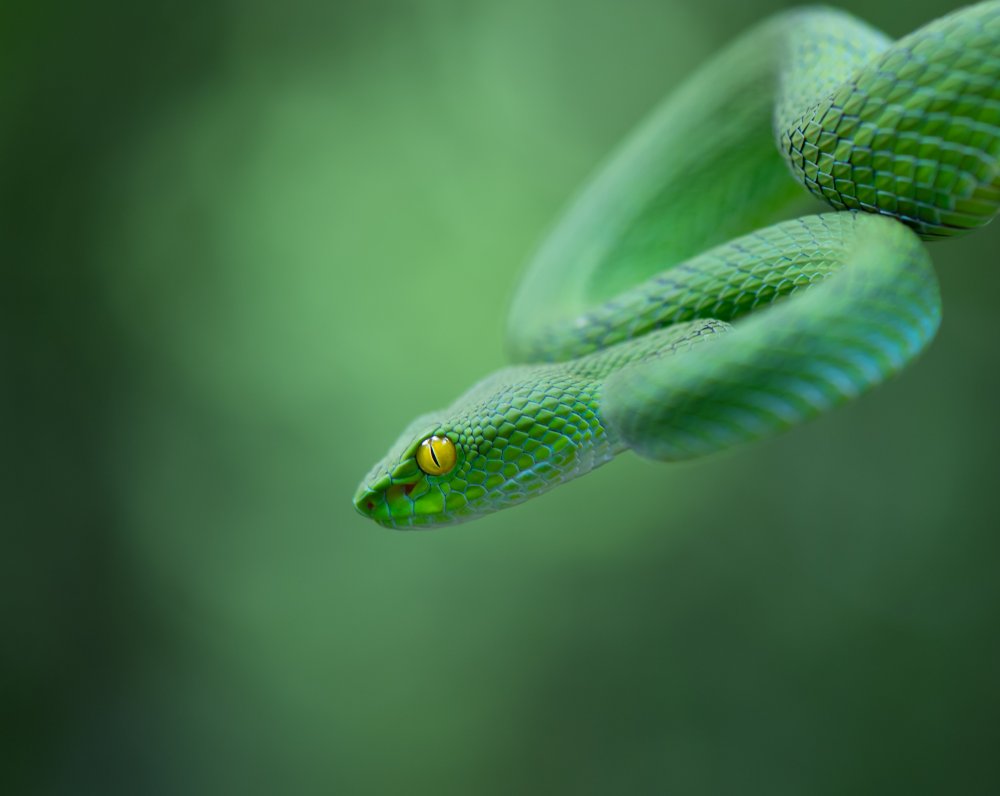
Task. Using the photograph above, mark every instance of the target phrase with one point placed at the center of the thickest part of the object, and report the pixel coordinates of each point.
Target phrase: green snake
(659, 314)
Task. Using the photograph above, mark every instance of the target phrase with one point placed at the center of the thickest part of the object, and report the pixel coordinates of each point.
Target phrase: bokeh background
(222, 226)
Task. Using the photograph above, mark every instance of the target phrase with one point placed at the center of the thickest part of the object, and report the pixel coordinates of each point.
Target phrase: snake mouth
(392, 508)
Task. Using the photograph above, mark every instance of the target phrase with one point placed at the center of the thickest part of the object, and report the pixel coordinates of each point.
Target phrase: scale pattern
(664, 315)
(915, 135)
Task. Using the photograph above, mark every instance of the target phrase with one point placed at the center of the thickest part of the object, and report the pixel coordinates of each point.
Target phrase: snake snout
(365, 501)
(370, 501)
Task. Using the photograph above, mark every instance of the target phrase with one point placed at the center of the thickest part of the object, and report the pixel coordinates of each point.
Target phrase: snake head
(419, 482)
(513, 436)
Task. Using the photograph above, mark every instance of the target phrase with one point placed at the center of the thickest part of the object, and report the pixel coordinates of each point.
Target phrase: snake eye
(436, 455)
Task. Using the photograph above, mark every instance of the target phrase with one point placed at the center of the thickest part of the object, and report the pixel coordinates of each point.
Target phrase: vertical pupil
(432, 446)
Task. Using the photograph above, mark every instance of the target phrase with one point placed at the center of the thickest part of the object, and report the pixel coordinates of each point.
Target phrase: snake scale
(668, 313)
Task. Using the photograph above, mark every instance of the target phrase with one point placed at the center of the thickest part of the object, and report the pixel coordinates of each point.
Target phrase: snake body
(659, 314)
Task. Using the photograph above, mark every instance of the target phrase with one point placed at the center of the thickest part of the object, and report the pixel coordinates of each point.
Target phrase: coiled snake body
(656, 317)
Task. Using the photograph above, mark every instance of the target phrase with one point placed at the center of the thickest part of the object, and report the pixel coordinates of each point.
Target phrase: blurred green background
(218, 220)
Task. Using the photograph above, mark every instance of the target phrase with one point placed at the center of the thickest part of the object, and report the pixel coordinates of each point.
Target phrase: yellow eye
(436, 455)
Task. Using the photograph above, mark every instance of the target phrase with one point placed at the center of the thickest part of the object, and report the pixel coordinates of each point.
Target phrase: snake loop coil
(666, 313)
